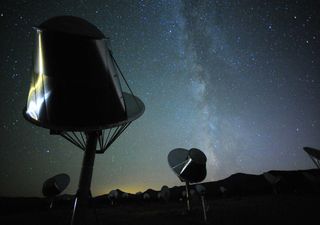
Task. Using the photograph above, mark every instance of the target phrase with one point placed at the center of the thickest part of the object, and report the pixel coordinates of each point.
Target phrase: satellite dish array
(190, 167)
(75, 92)
(55, 186)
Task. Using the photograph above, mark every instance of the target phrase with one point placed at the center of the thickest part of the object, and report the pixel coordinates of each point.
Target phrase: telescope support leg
(188, 197)
(204, 208)
(83, 194)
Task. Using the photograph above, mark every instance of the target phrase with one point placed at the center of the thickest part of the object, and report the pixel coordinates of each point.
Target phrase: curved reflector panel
(55, 185)
(188, 165)
(314, 155)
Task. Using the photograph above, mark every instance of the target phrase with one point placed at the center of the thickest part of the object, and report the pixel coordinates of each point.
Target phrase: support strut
(83, 196)
(188, 197)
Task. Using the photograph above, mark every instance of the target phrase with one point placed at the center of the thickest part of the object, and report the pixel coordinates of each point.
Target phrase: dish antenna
(164, 193)
(189, 166)
(54, 186)
(76, 92)
(113, 196)
(314, 155)
(223, 190)
(273, 180)
(146, 196)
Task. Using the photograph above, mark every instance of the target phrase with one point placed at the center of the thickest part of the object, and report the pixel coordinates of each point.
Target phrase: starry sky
(239, 80)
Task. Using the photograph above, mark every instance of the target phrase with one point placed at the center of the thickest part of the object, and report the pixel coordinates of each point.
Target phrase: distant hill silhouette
(239, 184)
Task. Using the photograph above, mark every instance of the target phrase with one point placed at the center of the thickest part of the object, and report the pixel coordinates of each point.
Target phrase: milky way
(236, 79)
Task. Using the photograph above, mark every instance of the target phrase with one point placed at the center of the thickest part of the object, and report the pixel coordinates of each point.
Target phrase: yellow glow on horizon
(132, 189)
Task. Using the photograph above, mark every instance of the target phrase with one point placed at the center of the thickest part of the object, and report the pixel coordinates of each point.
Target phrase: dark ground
(255, 209)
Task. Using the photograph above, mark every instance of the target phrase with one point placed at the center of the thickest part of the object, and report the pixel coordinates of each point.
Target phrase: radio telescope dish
(164, 193)
(146, 196)
(189, 166)
(177, 159)
(201, 190)
(314, 155)
(273, 180)
(55, 185)
(222, 189)
(113, 196)
(195, 170)
(76, 92)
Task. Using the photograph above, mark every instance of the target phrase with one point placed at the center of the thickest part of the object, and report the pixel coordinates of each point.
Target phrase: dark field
(258, 209)
(247, 199)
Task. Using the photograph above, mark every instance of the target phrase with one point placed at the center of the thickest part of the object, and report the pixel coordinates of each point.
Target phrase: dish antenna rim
(131, 116)
(60, 182)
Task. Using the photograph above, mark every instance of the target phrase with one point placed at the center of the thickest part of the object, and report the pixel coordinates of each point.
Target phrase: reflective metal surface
(75, 82)
(189, 165)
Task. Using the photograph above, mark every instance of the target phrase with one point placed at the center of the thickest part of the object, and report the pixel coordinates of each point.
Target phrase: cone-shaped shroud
(75, 84)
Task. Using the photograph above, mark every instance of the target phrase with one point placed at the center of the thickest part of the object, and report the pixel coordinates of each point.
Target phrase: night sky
(239, 80)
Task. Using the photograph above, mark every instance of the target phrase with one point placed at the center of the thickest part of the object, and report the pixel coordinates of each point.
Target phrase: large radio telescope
(76, 92)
